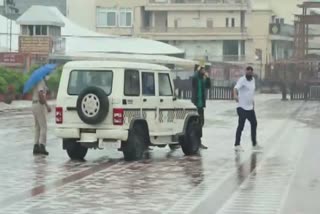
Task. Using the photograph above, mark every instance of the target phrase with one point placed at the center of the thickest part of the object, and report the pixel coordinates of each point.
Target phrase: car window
(165, 88)
(81, 79)
(131, 83)
(148, 84)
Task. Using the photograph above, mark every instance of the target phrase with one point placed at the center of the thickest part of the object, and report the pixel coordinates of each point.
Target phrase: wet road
(284, 178)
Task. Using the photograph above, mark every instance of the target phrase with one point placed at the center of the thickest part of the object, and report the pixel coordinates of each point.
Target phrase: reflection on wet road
(216, 181)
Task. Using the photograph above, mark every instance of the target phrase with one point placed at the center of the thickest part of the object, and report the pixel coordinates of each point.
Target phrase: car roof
(114, 64)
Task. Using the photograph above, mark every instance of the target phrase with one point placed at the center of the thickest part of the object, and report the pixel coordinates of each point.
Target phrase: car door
(150, 101)
(166, 105)
(132, 96)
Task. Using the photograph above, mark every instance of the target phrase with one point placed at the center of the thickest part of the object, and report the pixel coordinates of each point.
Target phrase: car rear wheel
(191, 141)
(135, 147)
(75, 150)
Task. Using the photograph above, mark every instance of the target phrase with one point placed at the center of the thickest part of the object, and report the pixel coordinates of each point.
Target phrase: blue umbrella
(37, 76)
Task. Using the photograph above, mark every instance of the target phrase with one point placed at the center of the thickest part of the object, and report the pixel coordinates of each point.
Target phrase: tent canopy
(155, 59)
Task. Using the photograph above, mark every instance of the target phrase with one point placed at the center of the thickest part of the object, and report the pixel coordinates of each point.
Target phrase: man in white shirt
(244, 95)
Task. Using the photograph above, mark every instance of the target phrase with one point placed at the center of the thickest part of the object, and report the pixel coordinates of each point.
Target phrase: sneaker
(257, 148)
(203, 146)
(238, 149)
(42, 150)
(36, 149)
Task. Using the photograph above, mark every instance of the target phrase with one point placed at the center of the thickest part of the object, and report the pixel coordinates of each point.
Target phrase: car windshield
(81, 79)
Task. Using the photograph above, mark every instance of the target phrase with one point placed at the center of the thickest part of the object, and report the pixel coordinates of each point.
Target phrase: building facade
(232, 31)
(272, 30)
(212, 30)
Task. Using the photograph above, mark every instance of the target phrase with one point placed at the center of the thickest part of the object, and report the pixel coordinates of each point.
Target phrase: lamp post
(9, 11)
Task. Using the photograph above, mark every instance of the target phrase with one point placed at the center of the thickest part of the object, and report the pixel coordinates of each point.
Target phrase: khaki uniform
(40, 114)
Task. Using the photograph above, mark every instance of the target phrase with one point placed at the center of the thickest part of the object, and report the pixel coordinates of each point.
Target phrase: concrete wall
(82, 12)
(259, 31)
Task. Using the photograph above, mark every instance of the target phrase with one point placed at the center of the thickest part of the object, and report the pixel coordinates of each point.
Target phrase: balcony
(191, 5)
(171, 33)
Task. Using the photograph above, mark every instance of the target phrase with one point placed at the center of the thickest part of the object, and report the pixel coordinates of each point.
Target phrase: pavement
(19, 105)
(283, 178)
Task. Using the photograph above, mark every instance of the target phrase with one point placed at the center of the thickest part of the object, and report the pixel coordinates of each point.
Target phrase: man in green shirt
(200, 82)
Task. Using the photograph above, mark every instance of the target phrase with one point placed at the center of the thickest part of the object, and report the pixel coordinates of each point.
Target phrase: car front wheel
(191, 141)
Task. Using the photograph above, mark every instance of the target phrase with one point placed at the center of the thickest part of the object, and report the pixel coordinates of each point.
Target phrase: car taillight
(118, 116)
(59, 115)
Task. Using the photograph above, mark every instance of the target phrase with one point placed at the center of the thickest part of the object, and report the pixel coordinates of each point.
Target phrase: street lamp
(9, 11)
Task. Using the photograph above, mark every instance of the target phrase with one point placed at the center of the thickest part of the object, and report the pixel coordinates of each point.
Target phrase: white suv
(130, 103)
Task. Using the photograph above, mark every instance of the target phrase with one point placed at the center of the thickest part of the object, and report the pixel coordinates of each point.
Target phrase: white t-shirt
(246, 91)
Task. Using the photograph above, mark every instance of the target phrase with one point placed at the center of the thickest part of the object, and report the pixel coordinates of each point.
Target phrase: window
(44, 30)
(233, 22)
(147, 19)
(125, 17)
(106, 17)
(111, 19)
(30, 30)
(209, 23)
(230, 47)
(131, 83)
(165, 88)
(148, 84)
(40, 30)
(227, 22)
(82, 79)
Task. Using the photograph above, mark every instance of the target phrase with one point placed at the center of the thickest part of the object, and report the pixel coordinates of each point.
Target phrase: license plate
(110, 145)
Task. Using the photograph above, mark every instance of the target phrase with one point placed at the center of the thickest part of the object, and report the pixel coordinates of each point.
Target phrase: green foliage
(3, 85)
(53, 82)
(15, 80)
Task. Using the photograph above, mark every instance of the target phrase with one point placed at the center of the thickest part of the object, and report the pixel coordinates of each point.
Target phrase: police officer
(40, 108)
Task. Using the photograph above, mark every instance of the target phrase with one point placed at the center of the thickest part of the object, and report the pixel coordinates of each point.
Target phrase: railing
(300, 92)
(221, 2)
(218, 30)
(215, 93)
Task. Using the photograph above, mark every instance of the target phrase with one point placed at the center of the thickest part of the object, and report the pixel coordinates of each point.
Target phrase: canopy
(155, 59)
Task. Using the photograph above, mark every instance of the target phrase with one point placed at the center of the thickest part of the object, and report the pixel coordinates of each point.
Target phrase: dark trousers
(201, 116)
(243, 116)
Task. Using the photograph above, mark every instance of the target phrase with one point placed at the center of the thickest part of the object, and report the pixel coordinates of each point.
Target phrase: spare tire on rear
(93, 105)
